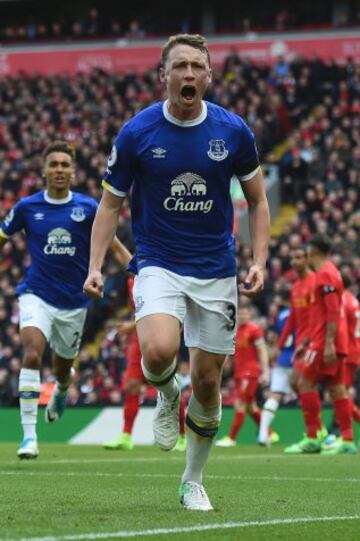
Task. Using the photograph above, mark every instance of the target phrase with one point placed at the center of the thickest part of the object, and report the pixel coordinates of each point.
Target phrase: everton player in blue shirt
(280, 384)
(178, 157)
(57, 224)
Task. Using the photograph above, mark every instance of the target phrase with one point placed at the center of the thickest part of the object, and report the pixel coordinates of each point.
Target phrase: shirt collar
(185, 123)
(53, 201)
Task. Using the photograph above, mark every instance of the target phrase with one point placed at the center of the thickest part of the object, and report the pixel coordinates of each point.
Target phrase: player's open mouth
(188, 92)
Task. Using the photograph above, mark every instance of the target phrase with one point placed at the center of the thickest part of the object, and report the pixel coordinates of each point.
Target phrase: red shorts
(133, 369)
(246, 387)
(350, 371)
(316, 371)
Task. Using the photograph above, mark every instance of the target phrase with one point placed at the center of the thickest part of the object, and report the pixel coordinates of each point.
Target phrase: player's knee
(133, 386)
(32, 358)
(305, 385)
(337, 392)
(294, 382)
(156, 353)
(208, 384)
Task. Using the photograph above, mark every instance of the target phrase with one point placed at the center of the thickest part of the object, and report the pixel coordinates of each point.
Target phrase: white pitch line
(176, 476)
(188, 529)
(166, 458)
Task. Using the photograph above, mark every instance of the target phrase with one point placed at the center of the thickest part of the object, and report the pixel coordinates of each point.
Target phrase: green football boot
(123, 443)
(340, 447)
(322, 434)
(305, 446)
(181, 444)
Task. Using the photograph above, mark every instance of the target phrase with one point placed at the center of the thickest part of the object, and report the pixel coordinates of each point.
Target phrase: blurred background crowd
(306, 118)
(107, 19)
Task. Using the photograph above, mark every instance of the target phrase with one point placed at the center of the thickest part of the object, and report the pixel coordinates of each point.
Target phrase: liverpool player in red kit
(251, 364)
(325, 356)
(298, 325)
(352, 314)
(352, 361)
(298, 322)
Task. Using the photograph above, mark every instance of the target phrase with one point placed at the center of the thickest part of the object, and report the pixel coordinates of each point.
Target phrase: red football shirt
(298, 321)
(328, 306)
(352, 314)
(246, 360)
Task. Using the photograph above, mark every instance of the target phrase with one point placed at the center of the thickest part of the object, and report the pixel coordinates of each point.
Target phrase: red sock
(355, 412)
(131, 408)
(343, 413)
(236, 424)
(182, 417)
(311, 407)
(256, 415)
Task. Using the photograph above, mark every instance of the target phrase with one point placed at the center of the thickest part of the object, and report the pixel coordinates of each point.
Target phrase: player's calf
(56, 406)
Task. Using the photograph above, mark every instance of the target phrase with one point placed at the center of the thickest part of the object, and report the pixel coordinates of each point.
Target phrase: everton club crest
(78, 214)
(217, 150)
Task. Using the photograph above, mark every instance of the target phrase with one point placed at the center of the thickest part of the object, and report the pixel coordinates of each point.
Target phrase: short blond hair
(193, 40)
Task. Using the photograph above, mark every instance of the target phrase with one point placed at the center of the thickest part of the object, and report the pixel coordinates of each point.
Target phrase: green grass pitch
(79, 493)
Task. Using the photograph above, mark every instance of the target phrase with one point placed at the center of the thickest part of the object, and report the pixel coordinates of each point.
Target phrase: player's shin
(164, 382)
(355, 412)
(237, 423)
(343, 413)
(267, 416)
(202, 425)
(311, 407)
(131, 408)
(29, 393)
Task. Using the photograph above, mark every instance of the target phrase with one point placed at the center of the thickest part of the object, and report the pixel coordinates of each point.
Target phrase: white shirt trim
(185, 123)
(49, 199)
(250, 175)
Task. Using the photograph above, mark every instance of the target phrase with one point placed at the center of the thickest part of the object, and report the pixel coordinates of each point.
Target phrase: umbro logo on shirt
(159, 152)
(39, 216)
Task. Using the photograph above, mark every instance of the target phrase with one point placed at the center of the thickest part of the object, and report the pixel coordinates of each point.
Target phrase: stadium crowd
(305, 116)
(99, 21)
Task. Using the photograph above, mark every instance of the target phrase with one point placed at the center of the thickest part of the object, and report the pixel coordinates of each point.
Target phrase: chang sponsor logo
(187, 193)
(59, 243)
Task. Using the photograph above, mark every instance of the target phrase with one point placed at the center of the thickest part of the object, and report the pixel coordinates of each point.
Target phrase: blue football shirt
(180, 173)
(286, 354)
(58, 240)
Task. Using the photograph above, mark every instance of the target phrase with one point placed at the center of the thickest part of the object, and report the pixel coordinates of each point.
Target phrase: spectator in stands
(96, 115)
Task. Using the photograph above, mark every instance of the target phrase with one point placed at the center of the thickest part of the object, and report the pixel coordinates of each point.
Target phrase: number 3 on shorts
(231, 314)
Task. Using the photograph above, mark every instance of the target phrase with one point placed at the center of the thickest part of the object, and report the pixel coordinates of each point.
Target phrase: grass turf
(82, 491)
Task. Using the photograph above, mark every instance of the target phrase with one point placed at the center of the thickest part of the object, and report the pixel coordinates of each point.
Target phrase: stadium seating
(306, 120)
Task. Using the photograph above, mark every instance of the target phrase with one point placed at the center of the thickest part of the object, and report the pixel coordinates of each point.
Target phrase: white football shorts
(280, 380)
(62, 328)
(206, 308)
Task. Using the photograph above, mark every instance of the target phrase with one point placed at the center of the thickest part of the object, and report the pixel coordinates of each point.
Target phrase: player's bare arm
(259, 224)
(125, 328)
(329, 348)
(103, 232)
(120, 253)
(264, 362)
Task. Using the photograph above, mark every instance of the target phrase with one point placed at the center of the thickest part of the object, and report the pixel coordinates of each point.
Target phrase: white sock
(164, 382)
(267, 416)
(29, 393)
(199, 420)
